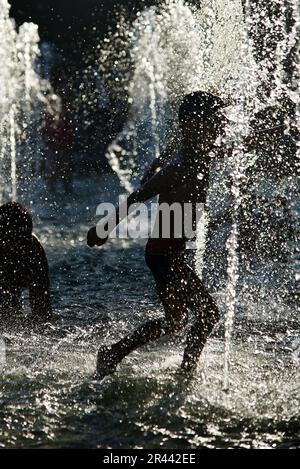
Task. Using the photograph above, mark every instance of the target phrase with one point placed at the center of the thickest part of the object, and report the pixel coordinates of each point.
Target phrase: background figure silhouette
(58, 135)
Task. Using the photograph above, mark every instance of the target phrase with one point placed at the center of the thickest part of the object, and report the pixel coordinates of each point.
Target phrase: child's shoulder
(37, 245)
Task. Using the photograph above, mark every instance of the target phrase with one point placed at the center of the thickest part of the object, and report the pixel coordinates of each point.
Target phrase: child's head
(15, 224)
(199, 118)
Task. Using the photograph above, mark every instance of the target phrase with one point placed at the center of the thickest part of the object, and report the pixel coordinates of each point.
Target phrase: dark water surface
(49, 398)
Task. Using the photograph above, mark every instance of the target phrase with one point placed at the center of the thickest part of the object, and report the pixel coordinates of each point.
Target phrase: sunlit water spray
(47, 388)
(175, 49)
(22, 97)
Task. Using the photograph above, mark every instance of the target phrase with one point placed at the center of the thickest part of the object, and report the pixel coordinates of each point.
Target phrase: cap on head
(199, 105)
(15, 221)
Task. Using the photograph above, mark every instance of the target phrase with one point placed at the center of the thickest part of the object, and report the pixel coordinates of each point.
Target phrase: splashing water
(261, 84)
(47, 389)
(175, 49)
(21, 98)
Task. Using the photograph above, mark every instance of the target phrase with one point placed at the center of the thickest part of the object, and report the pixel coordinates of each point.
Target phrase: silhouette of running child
(180, 290)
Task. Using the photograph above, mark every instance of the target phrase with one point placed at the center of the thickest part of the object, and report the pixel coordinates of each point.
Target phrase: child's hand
(93, 240)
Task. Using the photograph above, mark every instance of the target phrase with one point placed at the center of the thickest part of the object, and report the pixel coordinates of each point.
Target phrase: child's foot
(106, 362)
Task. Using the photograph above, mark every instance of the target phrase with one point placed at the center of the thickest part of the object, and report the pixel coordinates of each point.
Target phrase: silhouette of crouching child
(23, 265)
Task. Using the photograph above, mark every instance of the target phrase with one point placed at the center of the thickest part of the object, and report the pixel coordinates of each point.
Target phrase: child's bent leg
(175, 320)
(146, 333)
(207, 316)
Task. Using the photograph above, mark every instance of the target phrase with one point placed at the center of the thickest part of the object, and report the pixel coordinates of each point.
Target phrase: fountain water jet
(22, 97)
(174, 49)
(260, 94)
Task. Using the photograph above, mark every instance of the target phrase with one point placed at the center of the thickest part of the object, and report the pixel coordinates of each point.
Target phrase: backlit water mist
(48, 395)
(22, 97)
(176, 49)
